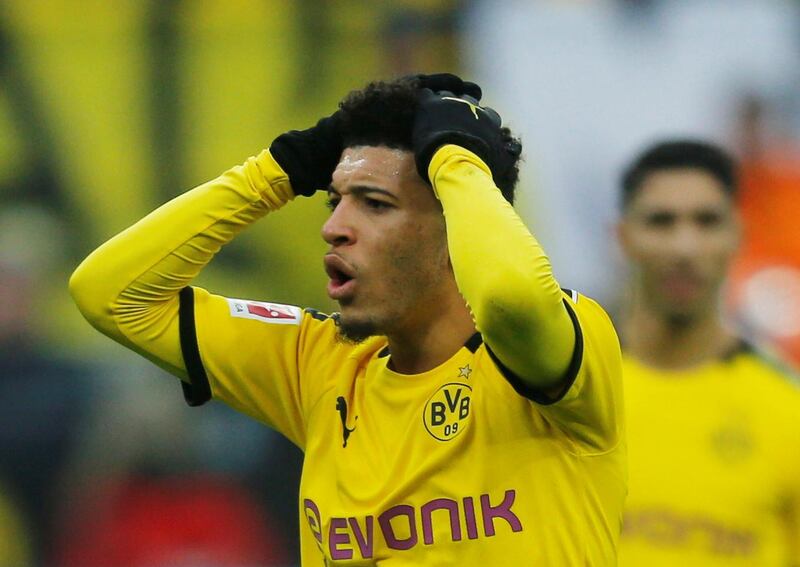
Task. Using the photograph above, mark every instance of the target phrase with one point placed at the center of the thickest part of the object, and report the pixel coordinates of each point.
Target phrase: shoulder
(593, 325)
(769, 373)
(586, 308)
(771, 389)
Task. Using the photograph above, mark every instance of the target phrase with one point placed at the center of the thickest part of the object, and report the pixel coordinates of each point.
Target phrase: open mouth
(342, 277)
(338, 277)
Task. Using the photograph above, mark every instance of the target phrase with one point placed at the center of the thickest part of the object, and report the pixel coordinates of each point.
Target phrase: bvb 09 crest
(447, 411)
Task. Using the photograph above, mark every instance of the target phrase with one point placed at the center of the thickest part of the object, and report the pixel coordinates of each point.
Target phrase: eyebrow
(705, 208)
(361, 190)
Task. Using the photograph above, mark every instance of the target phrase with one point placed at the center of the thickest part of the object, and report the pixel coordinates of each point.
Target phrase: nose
(685, 241)
(338, 229)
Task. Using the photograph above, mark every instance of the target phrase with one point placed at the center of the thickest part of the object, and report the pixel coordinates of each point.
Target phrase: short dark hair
(382, 114)
(680, 154)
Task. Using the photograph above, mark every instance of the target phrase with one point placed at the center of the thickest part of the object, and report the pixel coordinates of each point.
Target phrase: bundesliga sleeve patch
(265, 312)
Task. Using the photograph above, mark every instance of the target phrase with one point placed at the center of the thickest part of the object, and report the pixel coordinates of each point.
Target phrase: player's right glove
(442, 119)
(309, 156)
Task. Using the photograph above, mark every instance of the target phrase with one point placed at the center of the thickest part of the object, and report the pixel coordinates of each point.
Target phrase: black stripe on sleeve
(536, 394)
(198, 391)
(572, 293)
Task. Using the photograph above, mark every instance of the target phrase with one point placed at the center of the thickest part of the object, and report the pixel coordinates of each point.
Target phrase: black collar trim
(474, 342)
(741, 347)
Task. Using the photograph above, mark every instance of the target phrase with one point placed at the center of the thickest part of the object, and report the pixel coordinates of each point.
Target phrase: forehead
(376, 166)
(680, 190)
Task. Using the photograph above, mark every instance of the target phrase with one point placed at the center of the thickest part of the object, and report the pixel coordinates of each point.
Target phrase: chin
(356, 329)
(680, 319)
(682, 314)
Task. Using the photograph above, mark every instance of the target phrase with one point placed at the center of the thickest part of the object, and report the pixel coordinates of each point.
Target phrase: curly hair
(382, 114)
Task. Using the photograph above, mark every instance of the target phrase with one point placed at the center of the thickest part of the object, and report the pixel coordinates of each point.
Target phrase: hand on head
(447, 112)
(448, 84)
(309, 156)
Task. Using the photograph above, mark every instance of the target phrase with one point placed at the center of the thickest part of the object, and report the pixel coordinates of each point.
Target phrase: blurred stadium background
(107, 109)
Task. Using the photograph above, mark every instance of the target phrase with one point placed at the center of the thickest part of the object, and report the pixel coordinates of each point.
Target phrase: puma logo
(473, 107)
(341, 407)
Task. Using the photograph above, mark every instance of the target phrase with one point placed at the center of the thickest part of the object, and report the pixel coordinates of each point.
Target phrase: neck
(675, 342)
(420, 346)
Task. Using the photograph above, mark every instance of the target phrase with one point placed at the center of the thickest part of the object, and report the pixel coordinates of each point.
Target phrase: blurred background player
(713, 425)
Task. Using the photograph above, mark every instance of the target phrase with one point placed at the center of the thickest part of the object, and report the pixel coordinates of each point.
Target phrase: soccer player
(714, 426)
(461, 409)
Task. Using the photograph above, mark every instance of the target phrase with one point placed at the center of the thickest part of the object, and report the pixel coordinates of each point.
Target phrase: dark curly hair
(382, 114)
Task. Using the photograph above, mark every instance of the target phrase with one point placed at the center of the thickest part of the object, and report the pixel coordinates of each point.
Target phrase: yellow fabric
(714, 465)
(565, 503)
(451, 466)
(128, 287)
(516, 297)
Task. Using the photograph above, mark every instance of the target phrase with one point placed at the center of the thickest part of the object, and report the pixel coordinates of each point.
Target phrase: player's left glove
(442, 119)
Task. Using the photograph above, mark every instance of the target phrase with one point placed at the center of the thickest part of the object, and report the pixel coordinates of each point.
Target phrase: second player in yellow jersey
(714, 429)
(714, 464)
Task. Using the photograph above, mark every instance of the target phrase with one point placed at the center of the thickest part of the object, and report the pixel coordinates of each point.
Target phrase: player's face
(388, 253)
(680, 233)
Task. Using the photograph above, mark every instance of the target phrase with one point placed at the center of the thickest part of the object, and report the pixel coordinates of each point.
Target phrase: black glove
(309, 156)
(448, 83)
(442, 119)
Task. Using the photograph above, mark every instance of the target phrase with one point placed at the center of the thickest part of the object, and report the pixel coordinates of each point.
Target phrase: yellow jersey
(464, 464)
(714, 465)
(452, 466)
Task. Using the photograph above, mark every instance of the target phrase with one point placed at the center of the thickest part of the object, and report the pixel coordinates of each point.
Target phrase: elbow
(502, 321)
(515, 305)
(504, 324)
(83, 287)
(533, 350)
(528, 333)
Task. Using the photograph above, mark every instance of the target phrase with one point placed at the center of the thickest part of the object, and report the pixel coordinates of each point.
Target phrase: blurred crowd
(108, 109)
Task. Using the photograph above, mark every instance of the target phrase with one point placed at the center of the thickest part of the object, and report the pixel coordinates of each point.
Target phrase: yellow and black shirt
(714, 464)
(464, 464)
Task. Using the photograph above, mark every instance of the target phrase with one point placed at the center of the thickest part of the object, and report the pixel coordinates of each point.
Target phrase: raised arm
(500, 269)
(503, 273)
(129, 288)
